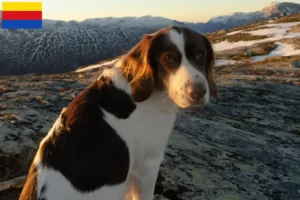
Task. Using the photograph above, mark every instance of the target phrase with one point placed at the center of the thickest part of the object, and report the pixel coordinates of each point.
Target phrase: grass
(248, 26)
(235, 37)
(244, 53)
(290, 18)
(263, 49)
(295, 29)
(241, 56)
(216, 37)
(244, 37)
(278, 59)
(222, 34)
(258, 28)
(294, 41)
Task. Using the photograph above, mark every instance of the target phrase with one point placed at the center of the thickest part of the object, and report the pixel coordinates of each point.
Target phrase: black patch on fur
(115, 101)
(86, 150)
(161, 44)
(178, 29)
(43, 193)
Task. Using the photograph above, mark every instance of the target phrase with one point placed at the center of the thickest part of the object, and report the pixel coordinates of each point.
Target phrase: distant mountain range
(239, 18)
(64, 46)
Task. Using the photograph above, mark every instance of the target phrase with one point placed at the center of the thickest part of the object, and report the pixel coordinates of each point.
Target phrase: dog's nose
(196, 91)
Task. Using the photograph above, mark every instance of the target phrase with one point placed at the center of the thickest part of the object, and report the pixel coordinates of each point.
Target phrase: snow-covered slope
(276, 33)
(64, 46)
(236, 17)
(272, 10)
(129, 22)
(283, 49)
(239, 18)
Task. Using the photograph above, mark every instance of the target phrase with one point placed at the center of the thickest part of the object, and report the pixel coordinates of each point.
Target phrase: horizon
(189, 11)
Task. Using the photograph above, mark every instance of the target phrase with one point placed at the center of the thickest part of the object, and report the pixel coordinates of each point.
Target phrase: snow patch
(283, 49)
(271, 10)
(234, 32)
(219, 19)
(222, 62)
(277, 32)
(96, 66)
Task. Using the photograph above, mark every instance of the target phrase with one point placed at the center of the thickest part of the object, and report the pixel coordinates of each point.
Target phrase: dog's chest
(147, 130)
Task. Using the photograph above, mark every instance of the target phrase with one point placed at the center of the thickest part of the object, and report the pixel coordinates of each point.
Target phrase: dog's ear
(138, 71)
(210, 68)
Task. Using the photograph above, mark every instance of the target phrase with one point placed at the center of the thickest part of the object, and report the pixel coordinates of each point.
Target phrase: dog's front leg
(145, 179)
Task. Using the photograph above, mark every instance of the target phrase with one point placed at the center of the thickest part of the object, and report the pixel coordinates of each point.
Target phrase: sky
(181, 10)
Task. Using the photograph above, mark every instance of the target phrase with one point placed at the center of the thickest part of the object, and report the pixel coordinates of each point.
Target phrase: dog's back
(82, 152)
(97, 143)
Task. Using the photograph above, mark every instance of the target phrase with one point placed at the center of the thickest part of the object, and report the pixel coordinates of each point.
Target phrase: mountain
(199, 26)
(242, 145)
(239, 18)
(64, 46)
(147, 21)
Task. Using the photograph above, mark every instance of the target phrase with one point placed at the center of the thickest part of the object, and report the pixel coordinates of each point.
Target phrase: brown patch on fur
(75, 115)
(138, 70)
(79, 114)
(29, 189)
(84, 110)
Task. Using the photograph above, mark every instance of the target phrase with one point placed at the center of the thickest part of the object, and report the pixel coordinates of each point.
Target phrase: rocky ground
(244, 145)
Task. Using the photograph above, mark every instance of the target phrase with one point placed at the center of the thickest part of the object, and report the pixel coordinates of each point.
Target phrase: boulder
(245, 145)
(295, 63)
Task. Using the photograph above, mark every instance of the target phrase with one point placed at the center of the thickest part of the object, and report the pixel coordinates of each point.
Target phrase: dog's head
(177, 59)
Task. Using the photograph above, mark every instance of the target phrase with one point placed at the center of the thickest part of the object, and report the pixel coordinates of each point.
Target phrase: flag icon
(25, 15)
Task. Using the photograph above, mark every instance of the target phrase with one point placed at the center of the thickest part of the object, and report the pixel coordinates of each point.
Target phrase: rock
(248, 53)
(158, 197)
(17, 93)
(28, 132)
(283, 14)
(295, 63)
(221, 32)
(245, 145)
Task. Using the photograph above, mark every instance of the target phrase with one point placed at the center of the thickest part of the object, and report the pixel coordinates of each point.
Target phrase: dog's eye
(199, 55)
(169, 59)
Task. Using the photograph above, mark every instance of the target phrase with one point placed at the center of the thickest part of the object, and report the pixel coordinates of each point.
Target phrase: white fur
(146, 133)
(58, 187)
(55, 126)
(185, 73)
(116, 76)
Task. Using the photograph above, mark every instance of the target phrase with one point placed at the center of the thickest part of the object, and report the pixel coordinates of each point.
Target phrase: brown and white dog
(111, 139)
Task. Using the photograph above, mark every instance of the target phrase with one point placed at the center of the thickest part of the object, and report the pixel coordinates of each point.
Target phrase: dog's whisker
(167, 98)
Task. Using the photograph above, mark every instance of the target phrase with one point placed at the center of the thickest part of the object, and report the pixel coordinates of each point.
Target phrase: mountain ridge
(237, 19)
(63, 46)
(215, 23)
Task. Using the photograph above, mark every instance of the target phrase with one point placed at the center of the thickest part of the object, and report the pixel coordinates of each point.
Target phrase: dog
(109, 142)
